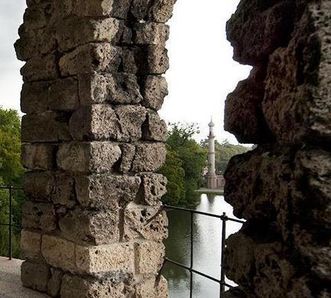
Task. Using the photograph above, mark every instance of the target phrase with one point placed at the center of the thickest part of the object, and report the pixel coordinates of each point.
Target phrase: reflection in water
(206, 244)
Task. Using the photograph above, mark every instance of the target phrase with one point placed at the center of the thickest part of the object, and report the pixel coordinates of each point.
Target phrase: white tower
(212, 178)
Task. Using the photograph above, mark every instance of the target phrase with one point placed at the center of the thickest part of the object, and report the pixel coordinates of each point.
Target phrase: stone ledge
(10, 281)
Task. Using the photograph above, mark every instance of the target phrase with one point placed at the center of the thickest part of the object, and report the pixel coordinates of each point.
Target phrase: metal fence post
(10, 228)
(192, 257)
(222, 284)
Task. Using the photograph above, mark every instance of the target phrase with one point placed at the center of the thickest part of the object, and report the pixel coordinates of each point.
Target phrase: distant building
(214, 181)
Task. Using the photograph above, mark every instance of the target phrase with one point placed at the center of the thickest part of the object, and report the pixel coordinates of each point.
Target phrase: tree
(11, 172)
(186, 159)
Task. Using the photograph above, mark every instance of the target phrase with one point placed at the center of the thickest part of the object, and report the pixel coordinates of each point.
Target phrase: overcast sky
(201, 72)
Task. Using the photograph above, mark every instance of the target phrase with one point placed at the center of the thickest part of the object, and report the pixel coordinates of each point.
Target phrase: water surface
(206, 245)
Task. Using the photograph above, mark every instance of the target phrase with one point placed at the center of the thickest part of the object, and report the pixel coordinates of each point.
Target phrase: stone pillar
(282, 188)
(92, 143)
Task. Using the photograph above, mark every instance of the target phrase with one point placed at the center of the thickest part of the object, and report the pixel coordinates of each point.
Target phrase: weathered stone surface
(45, 127)
(151, 33)
(150, 256)
(96, 122)
(96, 57)
(149, 157)
(92, 142)
(58, 252)
(30, 245)
(63, 95)
(35, 276)
(295, 105)
(38, 156)
(149, 223)
(34, 42)
(120, 88)
(38, 216)
(54, 283)
(154, 91)
(128, 153)
(155, 129)
(131, 119)
(158, 11)
(34, 97)
(73, 32)
(154, 186)
(95, 260)
(96, 227)
(74, 286)
(256, 29)
(47, 186)
(40, 68)
(153, 288)
(105, 191)
(95, 157)
(245, 103)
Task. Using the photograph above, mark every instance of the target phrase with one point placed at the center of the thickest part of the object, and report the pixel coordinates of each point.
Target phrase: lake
(206, 244)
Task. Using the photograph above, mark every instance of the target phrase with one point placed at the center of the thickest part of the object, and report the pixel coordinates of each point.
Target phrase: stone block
(34, 42)
(39, 216)
(35, 276)
(155, 88)
(149, 223)
(161, 10)
(157, 60)
(149, 257)
(96, 122)
(151, 33)
(152, 288)
(58, 252)
(75, 286)
(149, 157)
(105, 191)
(30, 245)
(98, 260)
(38, 156)
(89, 58)
(128, 153)
(155, 129)
(63, 95)
(45, 127)
(98, 157)
(47, 186)
(154, 186)
(76, 31)
(94, 227)
(34, 97)
(131, 119)
(40, 68)
(118, 88)
(54, 283)
(98, 8)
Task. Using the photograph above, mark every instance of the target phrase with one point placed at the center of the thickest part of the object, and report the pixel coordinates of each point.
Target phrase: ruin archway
(93, 140)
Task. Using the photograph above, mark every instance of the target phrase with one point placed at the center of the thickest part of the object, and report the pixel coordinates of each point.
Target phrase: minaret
(212, 179)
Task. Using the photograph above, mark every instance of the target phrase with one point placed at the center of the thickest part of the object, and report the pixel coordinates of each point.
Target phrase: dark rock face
(282, 188)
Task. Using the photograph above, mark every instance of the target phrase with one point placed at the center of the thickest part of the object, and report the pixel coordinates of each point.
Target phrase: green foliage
(223, 153)
(11, 172)
(185, 162)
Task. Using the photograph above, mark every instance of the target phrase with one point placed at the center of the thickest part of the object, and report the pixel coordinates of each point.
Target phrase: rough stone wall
(283, 187)
(92, 142)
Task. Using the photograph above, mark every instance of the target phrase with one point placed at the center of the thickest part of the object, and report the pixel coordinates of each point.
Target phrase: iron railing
(224, 219)
(10, 224)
